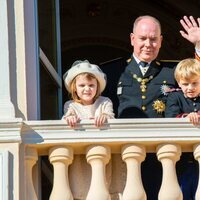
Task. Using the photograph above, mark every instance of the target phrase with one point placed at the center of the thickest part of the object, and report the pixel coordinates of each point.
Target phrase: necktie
(143, 64)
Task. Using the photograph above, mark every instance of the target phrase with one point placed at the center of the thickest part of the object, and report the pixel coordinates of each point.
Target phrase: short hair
(187, 69)
(74, 95)
(145, 17)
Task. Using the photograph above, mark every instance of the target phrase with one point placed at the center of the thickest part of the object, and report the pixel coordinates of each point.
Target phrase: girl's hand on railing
(101, 119)
(72, 120)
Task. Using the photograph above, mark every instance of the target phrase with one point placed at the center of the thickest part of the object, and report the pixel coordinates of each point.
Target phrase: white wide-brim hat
(80, 67)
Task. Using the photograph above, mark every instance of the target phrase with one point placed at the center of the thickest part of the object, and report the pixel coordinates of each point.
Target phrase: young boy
(186, 102)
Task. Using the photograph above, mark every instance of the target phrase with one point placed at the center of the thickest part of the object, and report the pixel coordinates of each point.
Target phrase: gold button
(143, 90)
(143, 97)
(143, 107)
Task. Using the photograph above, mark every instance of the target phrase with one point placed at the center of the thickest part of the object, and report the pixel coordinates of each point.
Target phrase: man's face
(146, 40)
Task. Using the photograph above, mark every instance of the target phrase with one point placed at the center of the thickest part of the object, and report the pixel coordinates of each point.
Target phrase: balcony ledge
(149, 132)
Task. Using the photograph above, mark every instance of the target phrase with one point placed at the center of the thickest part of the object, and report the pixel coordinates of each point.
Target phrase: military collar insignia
(128, 60)
(158, 63)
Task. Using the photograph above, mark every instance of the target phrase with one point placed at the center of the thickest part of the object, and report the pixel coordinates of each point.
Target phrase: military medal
(142, 82)
(159, 106)
(165, 89)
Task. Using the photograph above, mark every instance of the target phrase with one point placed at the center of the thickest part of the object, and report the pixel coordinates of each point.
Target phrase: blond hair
(187, 69)
(88, 76)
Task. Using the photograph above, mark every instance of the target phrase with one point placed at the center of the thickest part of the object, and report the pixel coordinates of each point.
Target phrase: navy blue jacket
(177, 104)
(142, 96)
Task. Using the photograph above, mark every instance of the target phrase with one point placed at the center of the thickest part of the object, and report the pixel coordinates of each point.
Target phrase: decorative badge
(159, 106)
(165, 89)
(142, 81)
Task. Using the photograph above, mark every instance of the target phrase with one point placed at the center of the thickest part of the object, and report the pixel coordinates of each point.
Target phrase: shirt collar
(138, 60)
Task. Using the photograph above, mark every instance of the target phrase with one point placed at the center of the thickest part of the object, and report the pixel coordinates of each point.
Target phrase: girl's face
(190, 88)
(86, 89)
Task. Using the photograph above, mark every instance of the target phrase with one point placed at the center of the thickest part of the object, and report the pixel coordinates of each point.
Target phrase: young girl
(186, 102)
(85, 82)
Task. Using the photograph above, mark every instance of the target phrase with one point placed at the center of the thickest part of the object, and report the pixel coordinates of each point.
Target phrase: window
(50, 59)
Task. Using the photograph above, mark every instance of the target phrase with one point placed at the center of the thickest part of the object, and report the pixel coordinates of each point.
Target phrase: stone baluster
(98, 156)
(196, 153)
(31, 159)
(61, 157)
(133, 155)
(168, 155)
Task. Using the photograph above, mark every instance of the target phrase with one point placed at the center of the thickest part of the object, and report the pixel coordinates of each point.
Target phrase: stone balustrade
(133, 155)
(168, 154)
(61, 157)
(130, 140)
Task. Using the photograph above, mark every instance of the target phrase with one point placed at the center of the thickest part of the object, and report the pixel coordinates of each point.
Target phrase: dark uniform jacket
(144, 96)
(178, 104)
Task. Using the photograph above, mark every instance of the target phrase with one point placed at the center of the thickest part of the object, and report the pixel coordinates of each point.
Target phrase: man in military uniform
(143, 96)
(142, 92)
(143, 86)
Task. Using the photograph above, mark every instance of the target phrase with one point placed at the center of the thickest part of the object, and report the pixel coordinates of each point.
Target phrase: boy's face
(191, 87)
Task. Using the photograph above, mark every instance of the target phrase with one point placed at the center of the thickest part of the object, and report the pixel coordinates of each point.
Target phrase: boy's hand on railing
(194, 118)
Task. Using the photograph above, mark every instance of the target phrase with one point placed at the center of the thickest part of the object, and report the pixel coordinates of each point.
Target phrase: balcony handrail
(150, 132)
